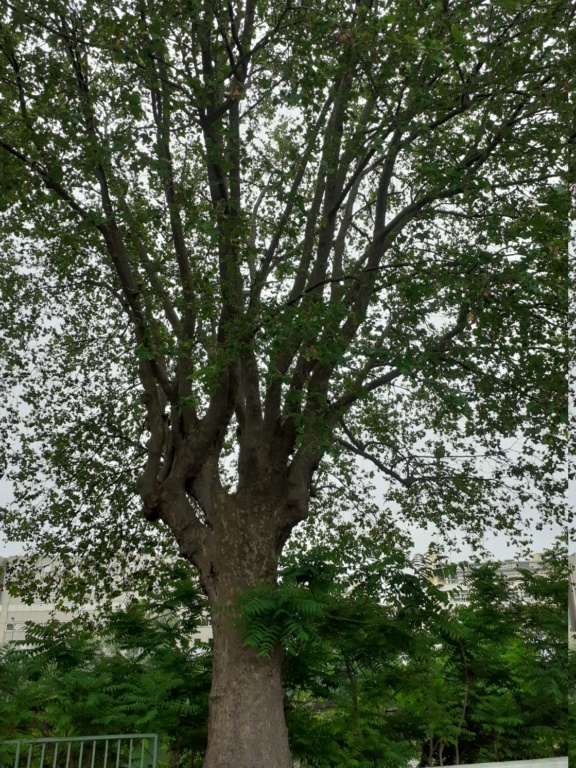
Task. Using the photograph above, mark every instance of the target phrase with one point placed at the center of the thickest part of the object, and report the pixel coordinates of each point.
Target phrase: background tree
(241, 241)
(571, 702)
(505, 656)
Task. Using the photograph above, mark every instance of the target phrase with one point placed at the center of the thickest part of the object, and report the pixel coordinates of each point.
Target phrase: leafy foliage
(378, 662)
(383, 257)
(572, 705)
(378, 668)
(140, 672)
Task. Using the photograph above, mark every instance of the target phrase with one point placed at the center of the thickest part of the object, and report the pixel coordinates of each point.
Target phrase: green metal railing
(126, 750)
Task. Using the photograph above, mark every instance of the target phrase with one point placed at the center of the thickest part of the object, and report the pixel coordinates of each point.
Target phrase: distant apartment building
(456, 584)
(15, 612)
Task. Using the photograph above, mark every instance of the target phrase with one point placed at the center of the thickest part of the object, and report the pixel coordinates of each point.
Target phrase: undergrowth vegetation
(378, 667)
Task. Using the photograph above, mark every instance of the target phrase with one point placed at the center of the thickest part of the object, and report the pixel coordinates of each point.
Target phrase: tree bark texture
(246, 726)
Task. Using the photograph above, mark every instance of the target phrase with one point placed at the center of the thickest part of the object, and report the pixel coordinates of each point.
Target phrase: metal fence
(545, 762)
(126, 750)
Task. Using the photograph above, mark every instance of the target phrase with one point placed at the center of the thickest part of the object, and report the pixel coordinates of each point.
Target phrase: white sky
(498, 546)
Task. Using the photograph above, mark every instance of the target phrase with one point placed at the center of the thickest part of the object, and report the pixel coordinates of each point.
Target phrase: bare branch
(359, 450)
(364, 387)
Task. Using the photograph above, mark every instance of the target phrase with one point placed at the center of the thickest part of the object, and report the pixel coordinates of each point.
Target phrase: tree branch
(359, 450)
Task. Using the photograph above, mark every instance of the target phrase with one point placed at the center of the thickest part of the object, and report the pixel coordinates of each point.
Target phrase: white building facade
(456, 583)
(15, 612)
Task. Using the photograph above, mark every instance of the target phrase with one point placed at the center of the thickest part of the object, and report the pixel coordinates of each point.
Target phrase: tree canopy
(346, 225)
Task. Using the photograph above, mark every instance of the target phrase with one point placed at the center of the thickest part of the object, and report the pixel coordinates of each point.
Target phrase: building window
(16, 626)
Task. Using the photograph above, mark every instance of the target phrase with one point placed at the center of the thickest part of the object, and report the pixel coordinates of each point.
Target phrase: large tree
(244, 240)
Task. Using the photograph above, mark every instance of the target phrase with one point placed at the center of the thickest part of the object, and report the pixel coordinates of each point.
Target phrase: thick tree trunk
(246, 727)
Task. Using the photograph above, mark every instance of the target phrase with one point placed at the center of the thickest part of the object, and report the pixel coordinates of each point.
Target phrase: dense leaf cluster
(137, 672)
